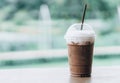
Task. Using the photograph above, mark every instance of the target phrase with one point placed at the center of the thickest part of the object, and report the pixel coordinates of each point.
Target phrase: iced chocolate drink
(80, 49)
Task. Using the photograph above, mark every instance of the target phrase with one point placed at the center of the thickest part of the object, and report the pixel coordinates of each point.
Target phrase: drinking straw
(83, 16)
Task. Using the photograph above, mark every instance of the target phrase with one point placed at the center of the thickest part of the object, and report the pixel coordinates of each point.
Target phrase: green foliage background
(16, 15)
(61, 8)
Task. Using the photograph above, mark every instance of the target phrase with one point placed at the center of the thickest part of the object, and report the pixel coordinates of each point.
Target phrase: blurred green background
(41, 24)
(23, 19)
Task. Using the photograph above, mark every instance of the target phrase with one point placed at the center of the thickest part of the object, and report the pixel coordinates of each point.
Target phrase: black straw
(83, 16)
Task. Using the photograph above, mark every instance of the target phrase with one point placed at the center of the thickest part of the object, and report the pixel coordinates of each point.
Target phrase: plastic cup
(80, 49)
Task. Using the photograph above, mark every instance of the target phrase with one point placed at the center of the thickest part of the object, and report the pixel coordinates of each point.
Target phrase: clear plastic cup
(80, 49)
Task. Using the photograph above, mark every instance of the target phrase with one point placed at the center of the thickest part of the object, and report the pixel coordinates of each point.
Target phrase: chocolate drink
(80, 59)
(80, 49)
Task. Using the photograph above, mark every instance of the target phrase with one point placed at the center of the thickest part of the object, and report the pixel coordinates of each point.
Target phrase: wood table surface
(108, 74)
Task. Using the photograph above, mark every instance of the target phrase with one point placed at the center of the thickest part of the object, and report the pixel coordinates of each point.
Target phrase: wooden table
(58, 75)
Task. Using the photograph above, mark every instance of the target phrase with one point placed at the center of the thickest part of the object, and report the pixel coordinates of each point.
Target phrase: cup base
(80, 75)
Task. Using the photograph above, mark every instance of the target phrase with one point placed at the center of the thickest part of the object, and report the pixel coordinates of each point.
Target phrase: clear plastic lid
(75, 35)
